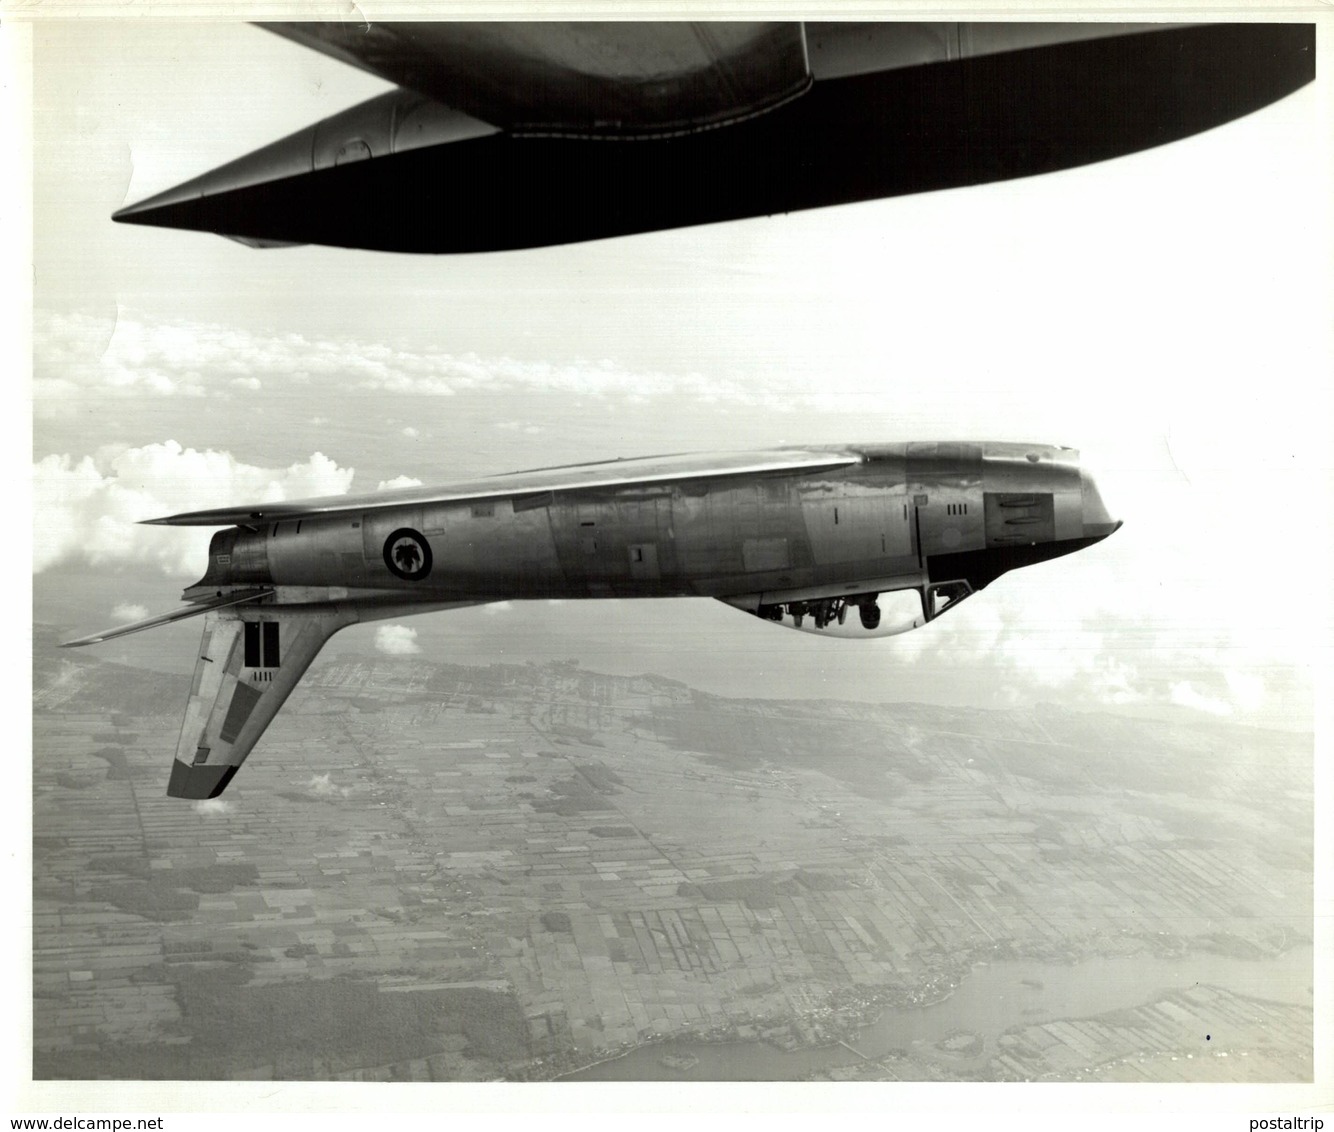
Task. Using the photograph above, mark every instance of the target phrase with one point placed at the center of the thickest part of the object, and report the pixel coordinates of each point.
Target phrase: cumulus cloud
(128, 612)
(397, 640)
(1185, 694)
(88, 510)
(396, 482)
(1247, 688)
(320, 784)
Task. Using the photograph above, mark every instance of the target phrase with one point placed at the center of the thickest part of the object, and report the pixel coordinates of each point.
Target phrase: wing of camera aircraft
(513, 135)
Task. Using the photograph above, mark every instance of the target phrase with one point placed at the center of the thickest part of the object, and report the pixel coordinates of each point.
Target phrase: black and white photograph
(686, 551)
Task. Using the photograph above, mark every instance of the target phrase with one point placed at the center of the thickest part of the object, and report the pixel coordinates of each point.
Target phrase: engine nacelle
(236, 557)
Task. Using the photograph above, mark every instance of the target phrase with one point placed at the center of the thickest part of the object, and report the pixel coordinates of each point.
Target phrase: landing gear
(935, 598)
(827, 611)
(824, 612)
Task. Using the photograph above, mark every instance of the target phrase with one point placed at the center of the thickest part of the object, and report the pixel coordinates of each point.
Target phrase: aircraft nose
(1098, 523)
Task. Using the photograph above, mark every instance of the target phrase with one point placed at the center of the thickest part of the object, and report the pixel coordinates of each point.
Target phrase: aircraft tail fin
(250, 659)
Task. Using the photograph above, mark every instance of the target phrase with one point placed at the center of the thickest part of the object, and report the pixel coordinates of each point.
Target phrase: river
(993, 998)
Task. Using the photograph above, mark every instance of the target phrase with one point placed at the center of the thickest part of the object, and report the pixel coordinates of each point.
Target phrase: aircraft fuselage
(907, 516)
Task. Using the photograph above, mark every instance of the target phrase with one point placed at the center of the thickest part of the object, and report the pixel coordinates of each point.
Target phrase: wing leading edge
(616, 473)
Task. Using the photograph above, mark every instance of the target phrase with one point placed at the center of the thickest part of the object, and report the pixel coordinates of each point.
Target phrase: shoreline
(851, 1041)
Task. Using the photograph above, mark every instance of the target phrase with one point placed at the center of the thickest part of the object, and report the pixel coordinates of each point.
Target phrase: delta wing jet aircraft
(797, 537)
(512, 135)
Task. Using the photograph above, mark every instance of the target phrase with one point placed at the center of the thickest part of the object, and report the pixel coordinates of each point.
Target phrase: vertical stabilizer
(250, 659)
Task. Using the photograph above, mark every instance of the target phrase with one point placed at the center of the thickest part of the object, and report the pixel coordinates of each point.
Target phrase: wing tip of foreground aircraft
(133, 213)
(198, 783)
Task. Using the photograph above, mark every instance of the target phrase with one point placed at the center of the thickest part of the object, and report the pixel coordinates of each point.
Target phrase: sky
(1168, 313)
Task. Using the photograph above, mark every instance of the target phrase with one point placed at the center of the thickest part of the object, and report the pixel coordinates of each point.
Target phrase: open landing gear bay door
(250, 659)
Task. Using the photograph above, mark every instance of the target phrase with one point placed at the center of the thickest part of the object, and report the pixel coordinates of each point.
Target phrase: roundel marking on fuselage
(407, 554)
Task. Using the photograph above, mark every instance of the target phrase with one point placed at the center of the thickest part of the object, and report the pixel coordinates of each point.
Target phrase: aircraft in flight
(515, 135)
(799, 537)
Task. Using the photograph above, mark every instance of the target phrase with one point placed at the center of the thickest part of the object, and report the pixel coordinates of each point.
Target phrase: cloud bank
(78, 354)
(89, 510)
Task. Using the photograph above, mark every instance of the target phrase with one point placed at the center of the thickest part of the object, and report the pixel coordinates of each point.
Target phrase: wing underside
(608, 78)
(508, 135)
